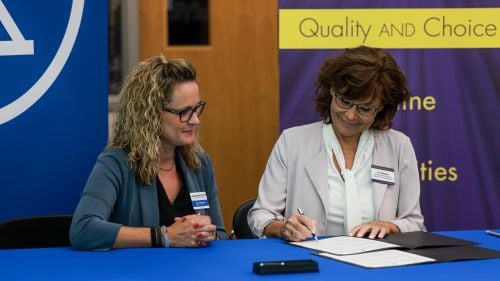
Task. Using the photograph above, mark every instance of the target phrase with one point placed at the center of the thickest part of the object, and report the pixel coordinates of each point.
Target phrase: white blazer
(296, 177)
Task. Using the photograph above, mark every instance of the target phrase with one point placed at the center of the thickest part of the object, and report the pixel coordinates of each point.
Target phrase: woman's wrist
(274, 229)
(393, 228)
(164, 233)
(156, 237)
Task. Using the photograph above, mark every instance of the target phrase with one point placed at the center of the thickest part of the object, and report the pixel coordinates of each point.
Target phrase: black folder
(420, 240)
(456, 253)
(439, 247)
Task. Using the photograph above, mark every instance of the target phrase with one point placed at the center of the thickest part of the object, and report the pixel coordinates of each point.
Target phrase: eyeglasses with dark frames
(361, 109)
(187, 113)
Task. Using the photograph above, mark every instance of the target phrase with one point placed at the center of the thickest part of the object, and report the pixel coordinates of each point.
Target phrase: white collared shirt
(336, 185)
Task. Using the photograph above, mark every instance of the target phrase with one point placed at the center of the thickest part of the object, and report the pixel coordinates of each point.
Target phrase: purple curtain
(457, 142)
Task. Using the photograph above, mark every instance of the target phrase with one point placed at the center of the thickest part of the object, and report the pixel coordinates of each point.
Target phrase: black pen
(285, 266)
(491, 232)
(302, 213)
(272, 263)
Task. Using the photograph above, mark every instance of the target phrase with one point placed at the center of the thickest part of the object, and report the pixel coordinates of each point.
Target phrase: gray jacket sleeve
(90, 228)
(409, 215)
(212, 193)
(270, 203)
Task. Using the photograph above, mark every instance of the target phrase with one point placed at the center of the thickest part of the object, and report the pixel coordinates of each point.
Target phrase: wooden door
(238, 77)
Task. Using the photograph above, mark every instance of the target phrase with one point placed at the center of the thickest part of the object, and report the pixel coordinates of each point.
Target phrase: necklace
(169, 169)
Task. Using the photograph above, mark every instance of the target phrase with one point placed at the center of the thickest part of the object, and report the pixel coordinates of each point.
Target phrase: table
(226, 260)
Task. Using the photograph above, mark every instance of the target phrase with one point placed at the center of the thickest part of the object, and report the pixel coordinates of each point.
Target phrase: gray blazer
(296, 176)
(113, 196)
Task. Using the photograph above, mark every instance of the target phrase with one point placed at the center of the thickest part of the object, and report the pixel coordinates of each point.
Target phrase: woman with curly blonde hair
(153, 186)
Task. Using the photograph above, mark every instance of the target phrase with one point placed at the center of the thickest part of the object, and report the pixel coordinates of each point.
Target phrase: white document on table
(345, 245)
(378, 259)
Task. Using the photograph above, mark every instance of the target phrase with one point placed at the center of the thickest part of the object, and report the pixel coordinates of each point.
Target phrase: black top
(181, 206)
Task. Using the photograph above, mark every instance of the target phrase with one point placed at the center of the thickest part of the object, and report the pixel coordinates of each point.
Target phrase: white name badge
(199, 200)
(382, 174)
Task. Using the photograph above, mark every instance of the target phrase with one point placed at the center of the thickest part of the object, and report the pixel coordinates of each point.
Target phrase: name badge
(199, 200)
(382, 175)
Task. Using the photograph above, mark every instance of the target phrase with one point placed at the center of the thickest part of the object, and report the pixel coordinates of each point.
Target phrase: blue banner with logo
(449, 52)
(53, 102)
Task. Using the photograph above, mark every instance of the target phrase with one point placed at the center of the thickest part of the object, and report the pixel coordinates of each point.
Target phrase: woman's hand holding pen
(297, 228)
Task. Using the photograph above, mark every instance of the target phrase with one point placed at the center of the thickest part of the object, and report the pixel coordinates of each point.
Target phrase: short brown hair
(359, 73)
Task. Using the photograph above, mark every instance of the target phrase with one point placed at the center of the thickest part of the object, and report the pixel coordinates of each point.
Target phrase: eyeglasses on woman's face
(187, 113)
(361, 109)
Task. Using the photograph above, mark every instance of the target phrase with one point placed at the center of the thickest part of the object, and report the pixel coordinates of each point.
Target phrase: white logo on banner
(18, 45)
(25, 101)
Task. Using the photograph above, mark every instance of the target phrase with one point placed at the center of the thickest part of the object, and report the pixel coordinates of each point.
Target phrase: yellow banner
(389, 28)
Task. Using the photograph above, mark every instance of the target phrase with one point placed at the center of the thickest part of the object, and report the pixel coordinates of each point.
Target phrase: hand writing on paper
(298, 228)
(374, 229)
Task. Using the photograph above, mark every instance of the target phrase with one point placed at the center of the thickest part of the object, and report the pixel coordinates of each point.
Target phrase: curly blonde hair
(138, 124)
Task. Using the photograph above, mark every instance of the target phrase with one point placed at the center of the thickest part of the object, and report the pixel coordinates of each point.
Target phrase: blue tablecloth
(226, 260)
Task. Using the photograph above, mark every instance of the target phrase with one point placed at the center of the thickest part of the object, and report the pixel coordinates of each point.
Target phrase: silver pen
(494, 233)
(299, 210)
